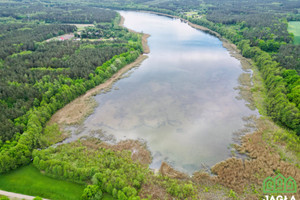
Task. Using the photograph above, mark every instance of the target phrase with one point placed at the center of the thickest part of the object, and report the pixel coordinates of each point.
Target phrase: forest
(54, 13)
(39, 76)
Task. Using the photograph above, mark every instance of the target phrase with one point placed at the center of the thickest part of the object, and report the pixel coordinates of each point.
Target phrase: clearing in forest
(294, 27)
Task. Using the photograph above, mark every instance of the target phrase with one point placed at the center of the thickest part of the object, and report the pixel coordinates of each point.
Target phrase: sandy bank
(76, 111)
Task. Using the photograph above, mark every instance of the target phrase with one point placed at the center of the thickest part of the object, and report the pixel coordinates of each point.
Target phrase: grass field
(294, 27)
(107, 197)
(28, 180)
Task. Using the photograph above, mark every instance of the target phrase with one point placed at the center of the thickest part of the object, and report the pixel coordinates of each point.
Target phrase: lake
(181, 101)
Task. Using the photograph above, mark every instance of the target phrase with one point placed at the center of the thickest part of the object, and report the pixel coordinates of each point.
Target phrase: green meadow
(294, 27)
(28, 180)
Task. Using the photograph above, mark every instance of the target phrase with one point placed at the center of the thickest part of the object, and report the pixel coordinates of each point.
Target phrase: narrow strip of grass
(294, 27)
(107, 197)
(28, 180)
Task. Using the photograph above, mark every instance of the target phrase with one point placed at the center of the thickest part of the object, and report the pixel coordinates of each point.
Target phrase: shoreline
(75, 111)
(263, 157)
(235, 173)
(202, 28)
(145, 36)
(232, 48)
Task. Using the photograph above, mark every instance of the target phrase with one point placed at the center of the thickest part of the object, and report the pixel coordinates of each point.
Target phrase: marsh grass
(52, 135)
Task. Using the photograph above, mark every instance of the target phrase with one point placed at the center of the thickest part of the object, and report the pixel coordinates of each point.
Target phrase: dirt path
(16, 196)
(67, 36)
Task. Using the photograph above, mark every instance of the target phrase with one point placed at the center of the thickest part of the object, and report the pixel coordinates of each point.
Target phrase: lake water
(181, 100)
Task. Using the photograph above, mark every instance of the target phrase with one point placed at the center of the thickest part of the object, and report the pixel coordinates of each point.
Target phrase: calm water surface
(181, 100)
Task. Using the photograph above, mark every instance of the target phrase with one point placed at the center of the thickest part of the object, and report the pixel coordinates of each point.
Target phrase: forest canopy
(40, 74)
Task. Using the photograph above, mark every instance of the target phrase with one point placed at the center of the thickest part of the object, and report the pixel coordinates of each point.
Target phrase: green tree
(92, 192)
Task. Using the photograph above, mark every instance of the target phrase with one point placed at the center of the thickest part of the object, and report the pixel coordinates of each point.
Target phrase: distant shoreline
(145, 36)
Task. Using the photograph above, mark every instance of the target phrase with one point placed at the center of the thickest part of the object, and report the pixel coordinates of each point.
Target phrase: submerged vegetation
(38, 77)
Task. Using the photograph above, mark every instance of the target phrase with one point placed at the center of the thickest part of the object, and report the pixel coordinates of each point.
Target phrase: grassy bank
(294, 27)
(28, 180)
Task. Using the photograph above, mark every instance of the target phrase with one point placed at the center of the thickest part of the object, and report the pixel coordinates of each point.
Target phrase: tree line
(67, 90)
(55, 13)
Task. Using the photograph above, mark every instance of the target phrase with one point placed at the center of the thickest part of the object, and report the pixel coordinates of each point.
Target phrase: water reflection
(181, 100)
